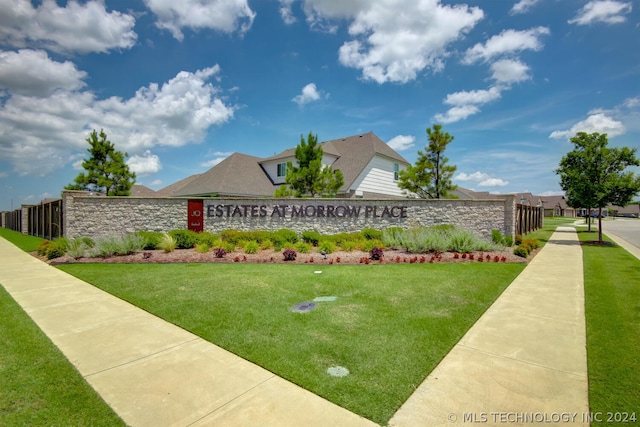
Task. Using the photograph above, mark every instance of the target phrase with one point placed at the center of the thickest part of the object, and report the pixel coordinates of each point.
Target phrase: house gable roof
(138, 190)
(171, 190)
(237, 175)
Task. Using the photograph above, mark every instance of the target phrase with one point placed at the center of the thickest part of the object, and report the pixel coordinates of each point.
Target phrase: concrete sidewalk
(525, 357)
(151, 372)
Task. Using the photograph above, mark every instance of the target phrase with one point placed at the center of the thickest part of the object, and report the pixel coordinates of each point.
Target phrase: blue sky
(181, 85)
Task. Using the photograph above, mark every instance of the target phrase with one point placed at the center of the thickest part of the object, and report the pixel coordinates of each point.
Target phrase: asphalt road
(628, 229)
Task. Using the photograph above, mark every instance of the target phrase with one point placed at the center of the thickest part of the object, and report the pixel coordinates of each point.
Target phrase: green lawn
(612, 303)
(25, 242)
(38, 385)
(390, 324)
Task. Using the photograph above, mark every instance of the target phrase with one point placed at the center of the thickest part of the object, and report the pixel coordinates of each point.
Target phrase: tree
(593, 175)
(430, 177)
(310, 177)
(106, 169)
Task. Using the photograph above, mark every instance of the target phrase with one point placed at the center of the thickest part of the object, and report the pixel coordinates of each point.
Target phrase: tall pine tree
(430, 177)
(106, 170)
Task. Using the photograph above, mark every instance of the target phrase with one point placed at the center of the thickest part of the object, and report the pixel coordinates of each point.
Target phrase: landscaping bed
(272, 256)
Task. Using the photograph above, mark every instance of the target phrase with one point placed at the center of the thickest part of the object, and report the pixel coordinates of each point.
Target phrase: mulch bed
(271, 256)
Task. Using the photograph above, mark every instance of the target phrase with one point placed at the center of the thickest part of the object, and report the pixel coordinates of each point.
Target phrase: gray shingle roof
(237, 175)
(170, 190)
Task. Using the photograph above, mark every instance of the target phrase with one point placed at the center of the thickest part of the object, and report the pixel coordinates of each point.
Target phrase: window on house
(396, 169)
(282, 169)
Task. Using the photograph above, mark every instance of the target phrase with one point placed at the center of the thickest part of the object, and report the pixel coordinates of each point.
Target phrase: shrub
(231, 236)
(202, 248)
(208, 239)
(285, 235)
(55, 250)
(303, 248)
(251, 247)
(508, 241)
(532, 244)
(167, 243)
(348, 245)
(312, 237)
(266, 244)
(521, 251)
(220, 252)
(77, 248)
(185, 239)
(392, 237)
(117, 245)
(42, 247)
(372, 234)
(289, 255)
(376, 253)
(368, 245)
(496, 237)
(151, 239)
(228, 246)
(327, 246)
(518, 239)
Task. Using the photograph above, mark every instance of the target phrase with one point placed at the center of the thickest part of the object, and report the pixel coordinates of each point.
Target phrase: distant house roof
(170, 190)
(138, 190)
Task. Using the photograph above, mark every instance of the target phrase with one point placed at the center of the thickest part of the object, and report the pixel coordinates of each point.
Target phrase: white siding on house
(377, 177)
(271, 168)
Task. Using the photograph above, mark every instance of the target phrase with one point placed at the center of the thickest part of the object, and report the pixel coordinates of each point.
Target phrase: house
(369, 166)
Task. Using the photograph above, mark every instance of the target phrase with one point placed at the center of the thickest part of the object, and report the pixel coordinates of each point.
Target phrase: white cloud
(599, 122)
(456, 114)
(483, 179)
(76, 27)
(508, 71)
(309, 94)
(146, 164)
(286, 11)
(218, 157)
(523, 6)
(401, 142)
(606, 11)
(394, 40)
(507, 42)
(465, 103)
(33, 73)
(40, 134)
(221, 15)
(632, 102)
(473, 97)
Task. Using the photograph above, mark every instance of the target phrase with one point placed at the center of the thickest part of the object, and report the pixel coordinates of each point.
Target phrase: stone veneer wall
(86, 215)
(95, 216)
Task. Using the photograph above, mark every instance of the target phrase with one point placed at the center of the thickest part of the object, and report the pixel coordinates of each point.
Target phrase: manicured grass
(38, 385)
(25, 242)
(612, 303)
(390, 324)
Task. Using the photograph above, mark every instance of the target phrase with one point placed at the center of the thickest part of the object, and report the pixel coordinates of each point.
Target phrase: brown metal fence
(45, 220)
(12, 220)
(528, 218)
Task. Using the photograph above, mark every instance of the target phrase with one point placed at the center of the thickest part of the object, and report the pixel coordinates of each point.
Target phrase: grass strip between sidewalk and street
(612, 306)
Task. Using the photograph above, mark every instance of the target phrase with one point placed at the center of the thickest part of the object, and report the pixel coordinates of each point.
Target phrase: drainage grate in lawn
(303, 307)
(338, 371)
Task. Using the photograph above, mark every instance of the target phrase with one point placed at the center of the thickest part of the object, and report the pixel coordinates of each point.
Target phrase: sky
(179, 86)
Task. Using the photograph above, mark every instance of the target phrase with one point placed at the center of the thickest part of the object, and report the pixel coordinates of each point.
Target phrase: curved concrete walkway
(525, 355)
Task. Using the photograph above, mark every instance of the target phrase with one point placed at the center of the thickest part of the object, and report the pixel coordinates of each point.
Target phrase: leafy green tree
(309, 177)
(106, 169)
(593, 175)
(430, 177)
